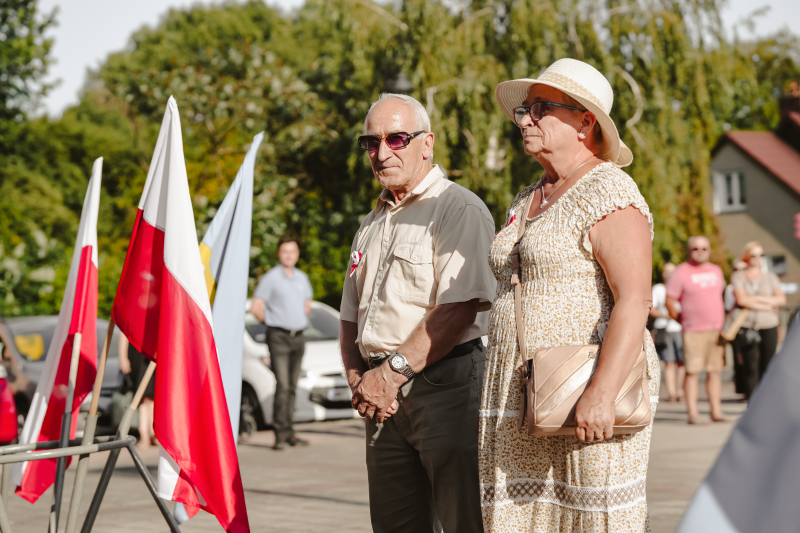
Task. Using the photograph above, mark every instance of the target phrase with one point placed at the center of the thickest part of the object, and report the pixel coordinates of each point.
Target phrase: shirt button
(369, 328)
(414, 257)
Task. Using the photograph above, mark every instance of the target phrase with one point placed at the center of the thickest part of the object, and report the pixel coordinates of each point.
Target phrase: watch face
(397, 362)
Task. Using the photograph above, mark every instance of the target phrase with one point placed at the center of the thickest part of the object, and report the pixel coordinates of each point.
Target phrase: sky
(89, 30)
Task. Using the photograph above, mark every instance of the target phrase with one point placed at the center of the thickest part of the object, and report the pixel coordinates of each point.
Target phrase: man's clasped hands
(375, 392)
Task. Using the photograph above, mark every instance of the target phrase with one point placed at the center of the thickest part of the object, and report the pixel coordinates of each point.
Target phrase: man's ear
(427, 148)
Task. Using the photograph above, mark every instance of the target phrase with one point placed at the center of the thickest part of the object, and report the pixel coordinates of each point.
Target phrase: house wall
(769, 217)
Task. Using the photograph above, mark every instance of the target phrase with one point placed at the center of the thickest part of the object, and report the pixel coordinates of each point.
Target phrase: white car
(322, 390)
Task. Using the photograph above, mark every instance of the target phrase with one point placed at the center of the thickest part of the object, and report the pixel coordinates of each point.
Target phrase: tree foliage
(308, 79)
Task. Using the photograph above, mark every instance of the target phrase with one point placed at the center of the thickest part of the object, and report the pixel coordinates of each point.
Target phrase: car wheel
(248, 414)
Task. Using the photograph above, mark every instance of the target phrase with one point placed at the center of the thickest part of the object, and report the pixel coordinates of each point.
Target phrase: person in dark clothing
(282, 300)
(760, 293)
(134, 365)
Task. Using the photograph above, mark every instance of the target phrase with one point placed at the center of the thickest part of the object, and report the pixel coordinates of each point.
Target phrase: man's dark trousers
(423, 461)
(286, 356)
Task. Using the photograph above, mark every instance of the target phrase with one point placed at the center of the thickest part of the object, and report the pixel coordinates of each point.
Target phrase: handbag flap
(560, 362)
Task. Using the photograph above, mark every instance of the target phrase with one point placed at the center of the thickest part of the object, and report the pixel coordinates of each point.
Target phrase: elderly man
(412, 317)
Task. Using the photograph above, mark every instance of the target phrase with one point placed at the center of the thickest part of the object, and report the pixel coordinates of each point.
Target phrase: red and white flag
(162, 307)
(78, 315)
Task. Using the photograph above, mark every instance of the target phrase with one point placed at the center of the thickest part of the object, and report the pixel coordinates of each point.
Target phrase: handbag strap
(516, 278)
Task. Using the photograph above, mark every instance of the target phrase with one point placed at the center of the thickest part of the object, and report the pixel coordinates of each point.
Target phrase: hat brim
(511, 94)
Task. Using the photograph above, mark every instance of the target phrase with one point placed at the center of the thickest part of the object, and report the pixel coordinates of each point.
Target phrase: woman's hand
(124, 365)
(594, 416)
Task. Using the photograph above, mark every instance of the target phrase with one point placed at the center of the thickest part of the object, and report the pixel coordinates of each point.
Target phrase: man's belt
(291, 332)
(457, 351)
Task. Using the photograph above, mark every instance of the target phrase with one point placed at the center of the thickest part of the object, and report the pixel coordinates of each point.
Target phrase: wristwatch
(399, 364)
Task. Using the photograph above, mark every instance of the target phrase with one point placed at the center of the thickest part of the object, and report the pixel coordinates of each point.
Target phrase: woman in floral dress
(586, 271)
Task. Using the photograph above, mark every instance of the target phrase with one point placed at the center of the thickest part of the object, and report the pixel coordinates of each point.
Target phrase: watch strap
(406, 370)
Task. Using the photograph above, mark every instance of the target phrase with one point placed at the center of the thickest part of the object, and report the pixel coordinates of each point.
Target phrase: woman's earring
(582, 135)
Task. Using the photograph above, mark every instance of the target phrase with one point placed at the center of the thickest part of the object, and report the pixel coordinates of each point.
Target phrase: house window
(776, 264)
(730, 193)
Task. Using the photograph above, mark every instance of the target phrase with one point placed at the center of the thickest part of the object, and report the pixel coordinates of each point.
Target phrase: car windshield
(323, 326)
(31, 342)
(34, 337)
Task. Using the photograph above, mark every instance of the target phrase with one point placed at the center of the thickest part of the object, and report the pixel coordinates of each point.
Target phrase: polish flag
(162, 307)
(78, 315)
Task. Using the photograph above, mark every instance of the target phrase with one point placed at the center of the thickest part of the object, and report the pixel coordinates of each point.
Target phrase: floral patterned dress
(557, 483)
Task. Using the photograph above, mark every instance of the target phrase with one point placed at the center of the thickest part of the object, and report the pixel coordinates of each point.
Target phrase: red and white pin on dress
(512, 219)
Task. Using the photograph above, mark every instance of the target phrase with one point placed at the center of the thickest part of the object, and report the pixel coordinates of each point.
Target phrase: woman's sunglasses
(395, 141)
(537, 110)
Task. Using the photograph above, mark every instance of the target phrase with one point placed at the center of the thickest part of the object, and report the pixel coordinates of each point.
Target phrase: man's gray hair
(423, 121)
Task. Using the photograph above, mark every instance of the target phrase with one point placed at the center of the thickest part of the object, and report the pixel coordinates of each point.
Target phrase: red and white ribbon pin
(513, 218)
(356, 257)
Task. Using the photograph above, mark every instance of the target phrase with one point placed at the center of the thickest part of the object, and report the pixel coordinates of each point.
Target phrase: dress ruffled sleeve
(605, 193)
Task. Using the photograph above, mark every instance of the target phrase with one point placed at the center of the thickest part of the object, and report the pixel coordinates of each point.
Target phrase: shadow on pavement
(306, 496)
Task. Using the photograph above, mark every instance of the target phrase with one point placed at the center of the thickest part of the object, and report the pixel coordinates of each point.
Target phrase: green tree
(308, 80)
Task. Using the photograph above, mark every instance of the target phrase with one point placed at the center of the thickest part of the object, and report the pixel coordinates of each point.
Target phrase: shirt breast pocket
(411, 274)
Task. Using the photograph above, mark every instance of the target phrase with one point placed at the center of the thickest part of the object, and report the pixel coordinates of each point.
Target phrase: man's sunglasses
(537, 110)
(395, 141)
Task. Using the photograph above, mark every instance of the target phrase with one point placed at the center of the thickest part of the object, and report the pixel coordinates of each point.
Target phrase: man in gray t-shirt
(282, 300)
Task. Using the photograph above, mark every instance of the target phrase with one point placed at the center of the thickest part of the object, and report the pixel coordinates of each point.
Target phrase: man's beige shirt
(430, 249)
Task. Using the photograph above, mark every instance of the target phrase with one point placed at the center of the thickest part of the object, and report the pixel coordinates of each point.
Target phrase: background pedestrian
(739, 372)
(134, 365)
(668, 338)
(698, 286)
(282, 300)
(760, 293)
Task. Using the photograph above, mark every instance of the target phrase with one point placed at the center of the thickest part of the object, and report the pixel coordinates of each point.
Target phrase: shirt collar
(433, 176)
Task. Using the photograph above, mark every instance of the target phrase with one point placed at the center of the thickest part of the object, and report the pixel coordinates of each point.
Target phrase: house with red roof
(756, 192)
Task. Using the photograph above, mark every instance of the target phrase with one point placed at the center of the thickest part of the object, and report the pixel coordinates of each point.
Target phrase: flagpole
(111, 462)
(66, 424)
(89, 431)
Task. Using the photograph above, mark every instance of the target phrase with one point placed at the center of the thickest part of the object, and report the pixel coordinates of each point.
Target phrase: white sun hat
(585, 84)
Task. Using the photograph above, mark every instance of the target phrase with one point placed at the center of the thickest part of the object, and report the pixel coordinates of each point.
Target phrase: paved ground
(323, 488)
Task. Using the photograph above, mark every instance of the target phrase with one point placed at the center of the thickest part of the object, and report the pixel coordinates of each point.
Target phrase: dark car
(30, 339)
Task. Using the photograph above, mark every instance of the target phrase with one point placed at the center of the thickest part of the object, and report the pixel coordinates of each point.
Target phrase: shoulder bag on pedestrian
(556, 377)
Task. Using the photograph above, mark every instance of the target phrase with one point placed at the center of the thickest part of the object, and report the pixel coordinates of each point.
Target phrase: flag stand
(66, 424)
(87, 445)
(111, 462)
(89, 431)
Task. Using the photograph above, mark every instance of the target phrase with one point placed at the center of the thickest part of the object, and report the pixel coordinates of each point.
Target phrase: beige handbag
(555, 378)
(735, 324)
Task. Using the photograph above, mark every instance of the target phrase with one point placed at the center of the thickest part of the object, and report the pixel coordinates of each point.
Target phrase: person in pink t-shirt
(699, 285)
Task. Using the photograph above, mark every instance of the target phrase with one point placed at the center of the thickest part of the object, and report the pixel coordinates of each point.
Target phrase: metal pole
(6, 484)
(44, 445)
(151, 486)
(66, 452)
(108, 470)
(89, 431)
(102, 485)
(80, 476)
(5, 527)
(66, 424)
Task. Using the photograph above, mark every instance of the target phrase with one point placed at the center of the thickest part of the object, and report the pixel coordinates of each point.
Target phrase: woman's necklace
(545, 201)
